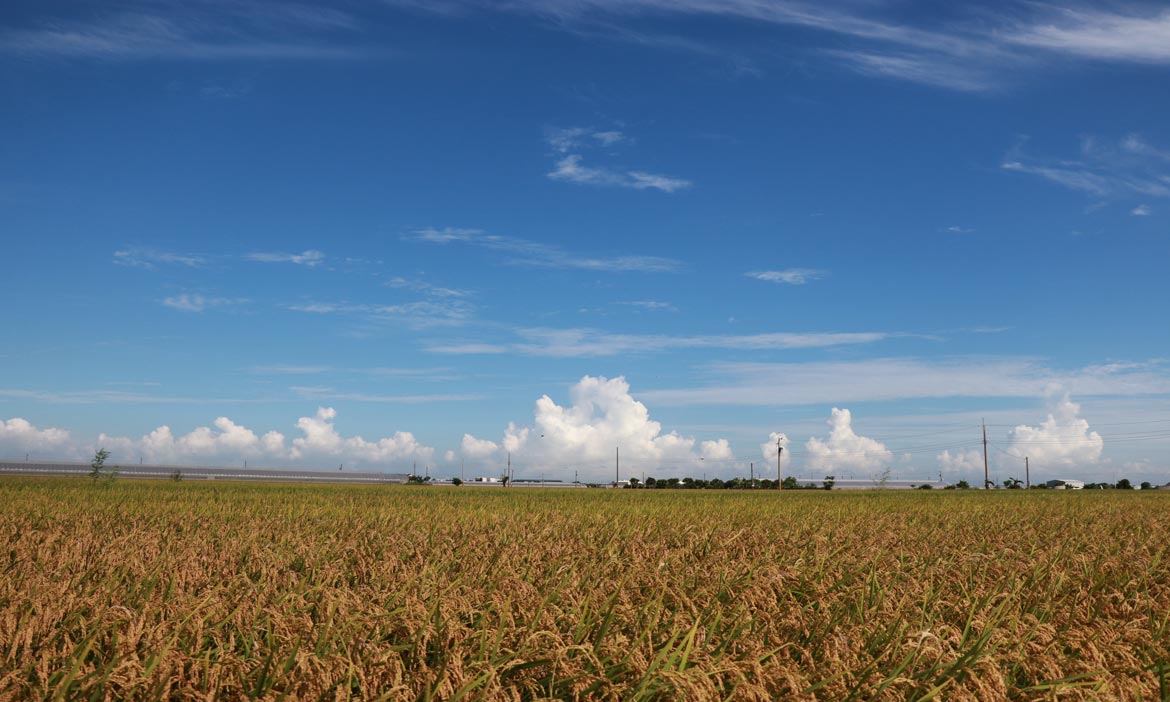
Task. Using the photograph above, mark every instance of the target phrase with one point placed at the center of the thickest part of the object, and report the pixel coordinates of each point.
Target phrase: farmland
(185, 591)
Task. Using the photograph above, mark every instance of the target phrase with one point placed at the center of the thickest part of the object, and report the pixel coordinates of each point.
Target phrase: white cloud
(308, 257)
(248, 31)
(1063, 440)
(19, 436)
(568, 143)
(426, 288)
(477, 448)
(717, 450)
(573, 343)
(584, 435)
(533, 253)
(193, 302)
(321, 439)
(886, 379)
(768, 449)
(844, 449)
(650, 305)
(1103, 168)
(791, 276)
(150, 259)
(570, 170)
(449, 456)
(962, 464)
(917, 67)
(1101, 34)
(422, 313)
(1141, 211)
(641, 180)
(229, 443)
(328, 393)
(566, 139)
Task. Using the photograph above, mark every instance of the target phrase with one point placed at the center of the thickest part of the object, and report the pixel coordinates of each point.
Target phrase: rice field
(184, 591)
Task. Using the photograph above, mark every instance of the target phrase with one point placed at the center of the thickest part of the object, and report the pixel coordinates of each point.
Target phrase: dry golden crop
(185, 591)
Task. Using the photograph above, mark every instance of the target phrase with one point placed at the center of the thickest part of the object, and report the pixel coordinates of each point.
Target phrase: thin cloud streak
(891, 379)
(572, 343)
(532, 253)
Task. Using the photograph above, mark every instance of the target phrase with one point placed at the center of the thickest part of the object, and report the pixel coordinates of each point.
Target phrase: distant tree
(925, 486)
(1013, 483)
(715, 484)
(505, 480)
(651, 482)
(1146, 485)
(98, 463)
(829, 481)
(883, 479)
(962, 485)
(1124, 484)
(634, 484)
(177, 476)
(456, 482)
(789, 483)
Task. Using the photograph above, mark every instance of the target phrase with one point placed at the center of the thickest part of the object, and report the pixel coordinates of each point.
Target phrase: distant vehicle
(1065, 485)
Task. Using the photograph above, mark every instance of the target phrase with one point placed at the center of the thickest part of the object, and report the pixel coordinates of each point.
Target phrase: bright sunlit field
(185, 591)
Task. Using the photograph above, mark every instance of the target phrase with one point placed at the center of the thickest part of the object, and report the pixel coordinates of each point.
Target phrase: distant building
(1065, 485)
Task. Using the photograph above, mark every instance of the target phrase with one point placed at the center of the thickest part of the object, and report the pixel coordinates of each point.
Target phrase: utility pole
(779, 451)
(509, 471)
(617, 465)
(986, 477)
(1027, 473)
(462, 472)
(752, 468)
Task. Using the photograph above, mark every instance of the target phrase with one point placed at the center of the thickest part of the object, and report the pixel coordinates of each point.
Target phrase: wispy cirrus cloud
(328, 393)
(649, 305)
(569, 143)
(194, 31)
(790, 276)
(533, 253)
(585, 342)
(194, 302)
(1132, 36)
(426, 287)
(891, 379)
(1104, 169)
(151, 259)
(959, 48)
(308, 257)
(419, 313)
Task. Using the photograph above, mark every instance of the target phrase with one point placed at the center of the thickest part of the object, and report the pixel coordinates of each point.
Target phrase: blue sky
(379, 233)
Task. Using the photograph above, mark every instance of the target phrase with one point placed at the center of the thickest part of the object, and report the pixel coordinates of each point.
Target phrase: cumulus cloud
(1141, 211)
(768, 448)
(322, 439)
(477, 448)
(226, 442)
(845, 449)
(19, 436)
(583, 435)
(961, 463)
(718, 450)
(1061, 441)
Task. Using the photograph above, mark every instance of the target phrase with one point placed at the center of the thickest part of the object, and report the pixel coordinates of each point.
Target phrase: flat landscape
(185, 591)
